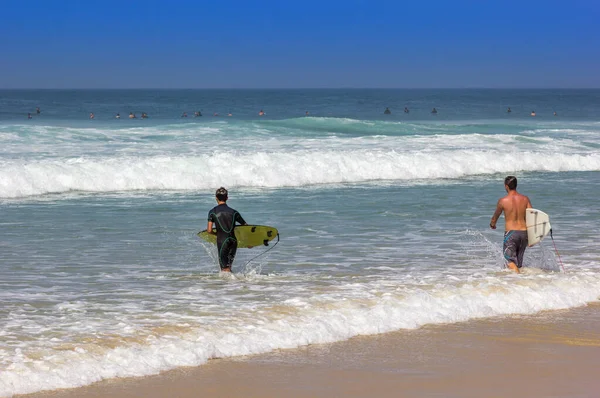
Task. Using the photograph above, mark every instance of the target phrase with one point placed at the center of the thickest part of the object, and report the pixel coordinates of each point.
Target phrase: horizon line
(299, 88)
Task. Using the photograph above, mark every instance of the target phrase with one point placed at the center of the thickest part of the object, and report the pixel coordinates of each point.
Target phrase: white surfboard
(538, 226)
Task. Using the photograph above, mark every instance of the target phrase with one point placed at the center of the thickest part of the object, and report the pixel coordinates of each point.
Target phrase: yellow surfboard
(247, 235)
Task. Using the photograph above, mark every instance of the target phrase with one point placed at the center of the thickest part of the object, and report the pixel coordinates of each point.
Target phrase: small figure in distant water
(29, 116)
(37, 110)
(434, 111)
(261, 113)
(406, 110)
(555, 114)
(132, 115)
(532, 113)
(306, 113)
(387, 111)
(508, 110)
(144, 115)
(184, 114)
(92, 115)
(118, 116)
(215, 114)
(197, 114)
(230, 114)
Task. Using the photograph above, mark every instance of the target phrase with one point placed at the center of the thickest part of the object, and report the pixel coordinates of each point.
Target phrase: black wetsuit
(224, 219)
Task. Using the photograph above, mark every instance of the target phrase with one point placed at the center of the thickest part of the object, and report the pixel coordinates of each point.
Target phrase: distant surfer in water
(223, 218)
(387, 111)
(514, 206)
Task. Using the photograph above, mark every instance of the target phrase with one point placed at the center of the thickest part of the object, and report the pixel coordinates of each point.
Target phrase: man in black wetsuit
(224, 218)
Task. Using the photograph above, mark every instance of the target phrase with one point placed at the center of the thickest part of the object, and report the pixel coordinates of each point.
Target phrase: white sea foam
(337, 315)
(38, 160)
(260, 169)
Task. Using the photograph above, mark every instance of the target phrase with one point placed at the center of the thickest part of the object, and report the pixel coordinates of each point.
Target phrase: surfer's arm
(209, 228)
(240, 219)
(496, 215)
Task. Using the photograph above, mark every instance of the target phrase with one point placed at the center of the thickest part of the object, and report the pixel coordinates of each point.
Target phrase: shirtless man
(514, 206)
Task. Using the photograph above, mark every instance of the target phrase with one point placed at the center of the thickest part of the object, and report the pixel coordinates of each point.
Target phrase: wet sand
(553, 354)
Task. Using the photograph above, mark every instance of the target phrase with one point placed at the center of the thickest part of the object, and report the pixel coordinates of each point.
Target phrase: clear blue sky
(281, 44)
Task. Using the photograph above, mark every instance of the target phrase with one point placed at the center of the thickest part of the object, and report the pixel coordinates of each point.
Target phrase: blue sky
(303, 44)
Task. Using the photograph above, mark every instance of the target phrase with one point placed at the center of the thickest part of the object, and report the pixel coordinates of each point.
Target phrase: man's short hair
(511, 182)
(221, 194)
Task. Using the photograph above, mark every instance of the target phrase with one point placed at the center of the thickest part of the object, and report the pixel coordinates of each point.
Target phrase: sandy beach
(553, 354)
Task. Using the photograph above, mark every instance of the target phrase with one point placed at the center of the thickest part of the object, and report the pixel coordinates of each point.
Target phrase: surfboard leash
(556, 250)
(265, 252)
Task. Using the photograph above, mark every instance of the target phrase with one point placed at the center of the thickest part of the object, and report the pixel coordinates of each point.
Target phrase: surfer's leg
(231, 253)
(222, 251)
(227, 254)
(522, 246)
(510, 250)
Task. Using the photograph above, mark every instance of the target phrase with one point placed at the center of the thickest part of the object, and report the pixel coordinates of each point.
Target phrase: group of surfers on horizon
(222, 221)
(144, 115)
(434, 111)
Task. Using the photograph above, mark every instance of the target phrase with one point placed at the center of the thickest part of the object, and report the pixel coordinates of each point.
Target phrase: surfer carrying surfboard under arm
(514, 205)
(224, 218)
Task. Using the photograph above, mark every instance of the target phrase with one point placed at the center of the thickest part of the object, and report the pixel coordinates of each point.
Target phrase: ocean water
(383, 220)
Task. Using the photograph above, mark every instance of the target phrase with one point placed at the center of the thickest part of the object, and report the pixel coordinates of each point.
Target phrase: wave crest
(270, 170)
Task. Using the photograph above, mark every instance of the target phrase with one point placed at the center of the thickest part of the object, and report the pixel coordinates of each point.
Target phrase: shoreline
(551, 353)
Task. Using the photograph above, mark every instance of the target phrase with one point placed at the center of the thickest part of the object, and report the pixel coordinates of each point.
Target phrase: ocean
(383, 220)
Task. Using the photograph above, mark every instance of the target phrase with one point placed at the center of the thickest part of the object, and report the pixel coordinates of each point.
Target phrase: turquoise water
(383, 220)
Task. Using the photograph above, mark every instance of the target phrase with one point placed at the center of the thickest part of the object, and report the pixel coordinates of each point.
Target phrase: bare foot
(514, 267)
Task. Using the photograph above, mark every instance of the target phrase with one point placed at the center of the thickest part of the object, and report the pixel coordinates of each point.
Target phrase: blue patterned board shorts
(515, 243)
